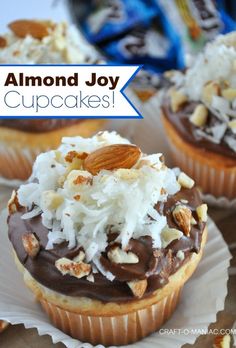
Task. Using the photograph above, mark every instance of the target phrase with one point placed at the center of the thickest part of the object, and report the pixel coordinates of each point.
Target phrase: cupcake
(40, 42)
(105, 237)
(199, 113)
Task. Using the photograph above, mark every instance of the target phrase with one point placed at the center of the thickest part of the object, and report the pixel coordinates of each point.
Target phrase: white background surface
(25, 9)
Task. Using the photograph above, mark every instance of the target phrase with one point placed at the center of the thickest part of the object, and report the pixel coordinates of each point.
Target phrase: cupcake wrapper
(114, 330)
(16, 163)
(211, 180)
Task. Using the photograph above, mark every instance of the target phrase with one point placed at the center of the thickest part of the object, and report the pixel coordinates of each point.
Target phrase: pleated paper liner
(115, 330)
(197, 309)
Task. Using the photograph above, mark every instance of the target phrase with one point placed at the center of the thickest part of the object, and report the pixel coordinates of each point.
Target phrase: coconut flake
(64, 44)
(220, 104)
(231, 142)
(201, 134)
(216, 64)
(218, 131)
(100, 267)
(35, 212)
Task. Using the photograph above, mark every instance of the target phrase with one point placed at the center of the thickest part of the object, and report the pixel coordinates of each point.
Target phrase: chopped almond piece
(75, 269)
(138, 287)
(30, 244)
(177, 100)
(199, 116)
(185, 181)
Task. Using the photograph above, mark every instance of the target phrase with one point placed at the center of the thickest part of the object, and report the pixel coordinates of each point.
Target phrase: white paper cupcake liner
(219, 202)
(203, 296)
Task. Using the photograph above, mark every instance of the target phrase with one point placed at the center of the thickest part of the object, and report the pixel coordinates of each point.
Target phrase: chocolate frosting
(180, 120)
(155, 265)
(39, 125)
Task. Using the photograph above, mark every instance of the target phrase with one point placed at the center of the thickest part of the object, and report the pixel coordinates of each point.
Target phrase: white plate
(203, 296)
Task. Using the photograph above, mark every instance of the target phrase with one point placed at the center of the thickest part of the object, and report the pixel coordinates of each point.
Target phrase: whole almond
(182, 216)
(112, 157)
(22, 28)
(3, 42)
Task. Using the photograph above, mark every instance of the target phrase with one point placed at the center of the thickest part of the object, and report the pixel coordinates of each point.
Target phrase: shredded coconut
(63, 45)
(84, 212)
(216, 65)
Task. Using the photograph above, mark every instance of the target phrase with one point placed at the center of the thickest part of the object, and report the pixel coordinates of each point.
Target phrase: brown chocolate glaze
(39, 125)
(156, 265)
(180, 120)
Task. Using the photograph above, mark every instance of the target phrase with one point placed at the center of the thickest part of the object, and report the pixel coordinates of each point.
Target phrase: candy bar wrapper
(107, 19)
(198, 305)
(195, 23)
(137, 46)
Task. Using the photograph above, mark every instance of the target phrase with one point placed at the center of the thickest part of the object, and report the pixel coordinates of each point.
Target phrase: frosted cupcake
(199, 115)
(39, 42)
(106, 237)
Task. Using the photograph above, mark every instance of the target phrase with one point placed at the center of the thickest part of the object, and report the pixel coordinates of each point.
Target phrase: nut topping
(13, 203)
(232, 126)
(202, 212)
(229, 93)
(199, 116)
(3, 42)
(36, 29)
(51, 200)
(138, 287)
(209, 90)
(185, 181)
(182, 216)
(117, 255)
(169, 234)
(222, 341)
(30, 244)
(80, 257)
(75, 269)
(127, 174)
(77, 177)
(71, 155)
(177, 100)
(112, 157)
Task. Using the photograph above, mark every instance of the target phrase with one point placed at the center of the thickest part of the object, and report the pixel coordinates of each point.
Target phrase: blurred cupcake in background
(40, 42)
(199, 115)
